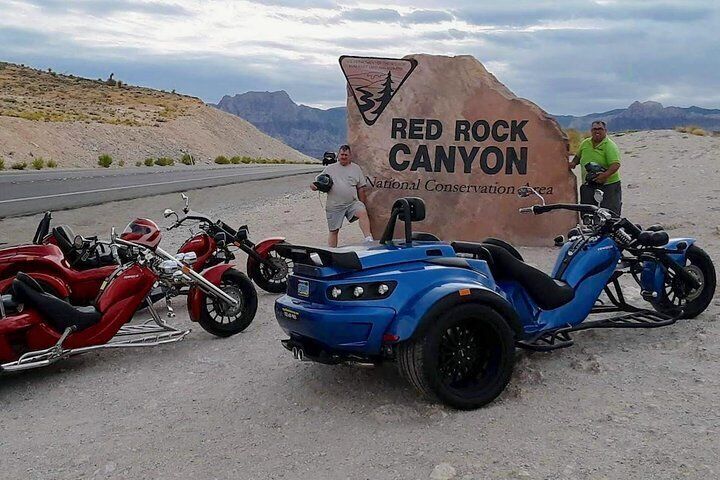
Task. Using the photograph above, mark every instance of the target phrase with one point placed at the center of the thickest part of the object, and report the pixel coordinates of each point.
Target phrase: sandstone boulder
(446, 130)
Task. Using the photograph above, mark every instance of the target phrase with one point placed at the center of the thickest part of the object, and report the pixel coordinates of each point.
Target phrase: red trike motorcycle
(64, 264)
(38, 328)
(214, 242)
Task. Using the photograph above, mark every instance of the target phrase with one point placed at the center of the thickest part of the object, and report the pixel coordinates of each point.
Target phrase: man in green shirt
(603, 151)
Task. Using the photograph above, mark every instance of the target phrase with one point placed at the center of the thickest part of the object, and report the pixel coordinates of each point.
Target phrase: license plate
(303, 288)
(290, 314)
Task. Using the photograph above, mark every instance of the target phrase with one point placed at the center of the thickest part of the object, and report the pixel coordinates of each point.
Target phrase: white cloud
(570, 57)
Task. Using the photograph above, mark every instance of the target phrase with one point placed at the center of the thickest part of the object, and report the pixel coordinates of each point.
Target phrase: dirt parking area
(618, 404)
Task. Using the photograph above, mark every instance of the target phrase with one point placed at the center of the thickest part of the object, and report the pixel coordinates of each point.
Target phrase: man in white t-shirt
(347, 197)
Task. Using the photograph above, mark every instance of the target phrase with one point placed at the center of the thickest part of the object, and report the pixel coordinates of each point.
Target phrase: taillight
(361, 291)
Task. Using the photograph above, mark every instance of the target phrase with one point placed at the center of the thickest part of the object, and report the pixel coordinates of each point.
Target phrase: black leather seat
(57, 313)
(547, 292)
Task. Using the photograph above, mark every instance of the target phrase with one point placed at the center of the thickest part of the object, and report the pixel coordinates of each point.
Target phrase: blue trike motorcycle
(451, 314)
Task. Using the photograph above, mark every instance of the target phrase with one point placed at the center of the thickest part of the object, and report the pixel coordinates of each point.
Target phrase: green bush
(51, 164)
(38, 163)
(149, 162)
(222, 160)
(138, 163)
(246, 160)
(235, 160)
(121, 163)
(105, 160)
(19, 166)
(186, 159)
(164, 161)
(2, 163)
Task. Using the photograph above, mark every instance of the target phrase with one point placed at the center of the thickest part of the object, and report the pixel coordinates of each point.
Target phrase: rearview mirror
(598, 196)
(168, 212)
(526, 191)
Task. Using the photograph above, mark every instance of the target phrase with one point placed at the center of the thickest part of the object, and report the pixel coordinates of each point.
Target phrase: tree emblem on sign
(375, 81)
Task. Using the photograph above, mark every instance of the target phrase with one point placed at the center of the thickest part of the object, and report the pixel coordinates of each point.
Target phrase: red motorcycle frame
(29, 340)
(37, 329)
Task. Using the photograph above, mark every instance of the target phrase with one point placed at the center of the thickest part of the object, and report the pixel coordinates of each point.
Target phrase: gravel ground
(619, 404)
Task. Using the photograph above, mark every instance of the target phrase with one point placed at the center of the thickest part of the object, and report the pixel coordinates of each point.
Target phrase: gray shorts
(335, 215)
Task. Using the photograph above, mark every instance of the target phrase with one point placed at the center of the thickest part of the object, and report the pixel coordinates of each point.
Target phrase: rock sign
(446, 130)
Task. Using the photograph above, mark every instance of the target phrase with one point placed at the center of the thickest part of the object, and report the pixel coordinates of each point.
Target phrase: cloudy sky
(570, 57)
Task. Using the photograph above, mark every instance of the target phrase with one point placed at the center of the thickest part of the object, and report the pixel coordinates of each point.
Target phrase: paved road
(25, 193)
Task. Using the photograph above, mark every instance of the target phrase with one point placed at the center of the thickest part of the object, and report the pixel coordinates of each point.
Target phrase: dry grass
(691, 129)
(574, 139)
(50, 97)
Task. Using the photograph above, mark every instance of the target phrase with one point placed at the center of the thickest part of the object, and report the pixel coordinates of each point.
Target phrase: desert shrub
(235, 160)
(38, 163)
(138, 163)
(105, 160)
(222, 160)
(164, 161)
(121, 163)
(51, 164)
(2, 163)
(18, 166)
(260, 160)
(149, 162)
(186, 159)
(691, 129)
(574, 139)
(246, 160)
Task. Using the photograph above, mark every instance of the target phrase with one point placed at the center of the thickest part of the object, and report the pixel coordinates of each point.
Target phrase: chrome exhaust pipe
(298, 353)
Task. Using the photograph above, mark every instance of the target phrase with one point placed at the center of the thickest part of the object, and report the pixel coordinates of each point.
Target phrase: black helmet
(323, 182)
(592, 170)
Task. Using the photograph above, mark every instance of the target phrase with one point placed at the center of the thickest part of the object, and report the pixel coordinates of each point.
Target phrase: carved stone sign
(446, 130)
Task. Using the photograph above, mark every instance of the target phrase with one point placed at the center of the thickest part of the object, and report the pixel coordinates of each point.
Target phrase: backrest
(65, 237)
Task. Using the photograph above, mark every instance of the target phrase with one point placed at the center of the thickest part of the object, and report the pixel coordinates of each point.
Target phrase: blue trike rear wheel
(464, 358)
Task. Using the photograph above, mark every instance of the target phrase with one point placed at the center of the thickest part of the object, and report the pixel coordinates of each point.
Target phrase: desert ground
(618, 404)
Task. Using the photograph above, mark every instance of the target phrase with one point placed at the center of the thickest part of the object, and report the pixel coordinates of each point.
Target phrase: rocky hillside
(309, 130)
(646, 116)
(72, 120)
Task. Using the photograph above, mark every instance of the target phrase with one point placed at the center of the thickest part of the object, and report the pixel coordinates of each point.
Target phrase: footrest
(546, 341)
(560, 338)
(639, 319)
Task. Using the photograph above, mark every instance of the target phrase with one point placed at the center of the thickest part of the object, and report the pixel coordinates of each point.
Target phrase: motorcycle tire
(263, 276)
(221, 320)
(700, 262)
(464, 359)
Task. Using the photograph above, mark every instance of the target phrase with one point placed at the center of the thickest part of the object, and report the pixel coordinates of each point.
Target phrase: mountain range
(313, 131)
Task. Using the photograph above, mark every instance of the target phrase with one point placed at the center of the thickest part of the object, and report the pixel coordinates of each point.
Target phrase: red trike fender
(197, 296)
(262, 248)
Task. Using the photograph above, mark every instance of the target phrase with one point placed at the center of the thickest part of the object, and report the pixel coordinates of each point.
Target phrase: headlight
(361, 291)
